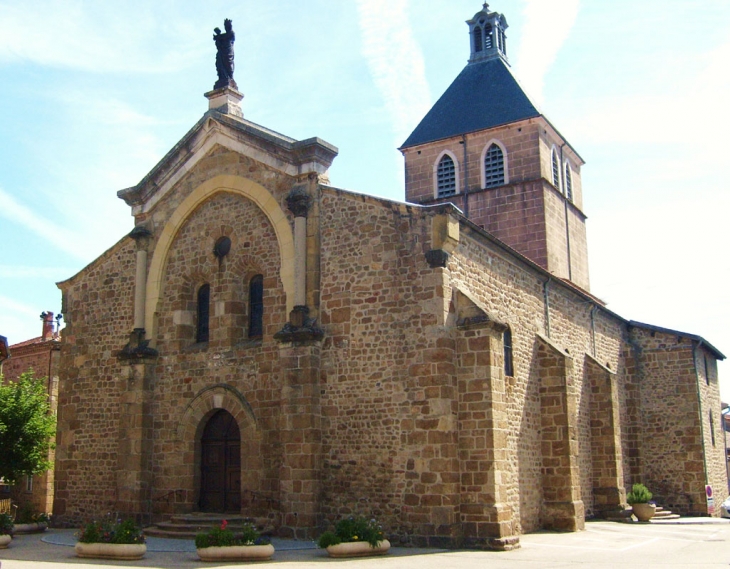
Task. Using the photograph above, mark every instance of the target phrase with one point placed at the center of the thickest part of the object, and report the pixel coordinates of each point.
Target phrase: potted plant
(221, 544)
(355, 537)
(111, 539)
(28, 522)
(6, 530)
(639, 498)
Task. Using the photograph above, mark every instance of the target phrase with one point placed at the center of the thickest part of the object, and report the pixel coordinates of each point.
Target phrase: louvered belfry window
(202, 330)
(568, 182)
(256, 307)
(493, 167)
(478, 44)
(556, 170)
(446, 177)
(488, 42)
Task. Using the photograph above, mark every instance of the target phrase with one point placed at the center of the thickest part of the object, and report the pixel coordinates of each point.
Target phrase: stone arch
(189, 434)
(223, 183)
(209, 400)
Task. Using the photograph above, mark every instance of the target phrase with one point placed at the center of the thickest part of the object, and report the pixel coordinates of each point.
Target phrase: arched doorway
(220, 465)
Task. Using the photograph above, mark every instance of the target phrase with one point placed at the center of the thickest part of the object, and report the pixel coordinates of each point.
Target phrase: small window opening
(502, 42)
(256, 307)
(202, 331)
(712, 429)
(29, 484)
(509, 369)
(446, 177)
(493, 167)
(478, 43)
(707, 370)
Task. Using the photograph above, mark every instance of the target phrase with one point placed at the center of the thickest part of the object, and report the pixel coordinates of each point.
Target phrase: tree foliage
(27, 427)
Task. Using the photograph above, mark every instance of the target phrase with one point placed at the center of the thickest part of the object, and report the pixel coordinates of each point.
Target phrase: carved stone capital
(299, 201)
(141, 235)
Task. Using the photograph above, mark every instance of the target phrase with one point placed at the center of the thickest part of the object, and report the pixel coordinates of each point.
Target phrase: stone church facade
(267, 344)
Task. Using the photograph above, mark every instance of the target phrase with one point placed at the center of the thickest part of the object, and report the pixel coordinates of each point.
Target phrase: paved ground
(603, 545)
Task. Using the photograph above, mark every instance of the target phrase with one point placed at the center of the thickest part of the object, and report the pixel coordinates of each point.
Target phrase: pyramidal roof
(484, 95)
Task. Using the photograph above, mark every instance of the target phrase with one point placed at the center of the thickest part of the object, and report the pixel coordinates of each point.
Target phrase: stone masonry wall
(515, 296)
(97, 307)
(672, 440)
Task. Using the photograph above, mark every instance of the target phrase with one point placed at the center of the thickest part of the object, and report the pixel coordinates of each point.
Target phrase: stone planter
(111, 550)
(30, 528)
(357, 549)
(5, 539)
(644, 512)
(237, 553)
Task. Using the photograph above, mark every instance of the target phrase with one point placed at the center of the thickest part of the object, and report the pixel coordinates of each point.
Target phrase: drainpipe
(565, 203)
(695, 348)
(466, 177)
(546, 301)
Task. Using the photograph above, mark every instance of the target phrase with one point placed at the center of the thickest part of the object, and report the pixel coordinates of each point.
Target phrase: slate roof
(484, 95)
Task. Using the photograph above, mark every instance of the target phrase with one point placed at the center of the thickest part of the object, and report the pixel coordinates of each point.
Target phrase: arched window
(445, 177)
(488, 42)
(256, 307)
(493, 167)
(202, 332)
(478, 43)
(509, 367)
(502, 42)
(556, 170)
(568, 182)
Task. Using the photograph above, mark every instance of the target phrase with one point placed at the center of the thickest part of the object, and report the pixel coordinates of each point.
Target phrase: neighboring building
(42, 356)
(265, 343)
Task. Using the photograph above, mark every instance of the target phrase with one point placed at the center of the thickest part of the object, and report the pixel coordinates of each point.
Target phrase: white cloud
(97, 37)
(62, 238)
(547, 26)
(395, 61)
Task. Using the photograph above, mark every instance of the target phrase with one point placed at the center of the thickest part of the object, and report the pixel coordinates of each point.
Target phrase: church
(265, 344)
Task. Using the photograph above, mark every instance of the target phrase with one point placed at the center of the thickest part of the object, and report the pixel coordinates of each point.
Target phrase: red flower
(224, 524)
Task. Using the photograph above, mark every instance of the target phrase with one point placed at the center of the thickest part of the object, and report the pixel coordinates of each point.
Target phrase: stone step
(187, 526)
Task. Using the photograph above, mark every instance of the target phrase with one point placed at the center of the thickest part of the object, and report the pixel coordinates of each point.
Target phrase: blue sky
(94, 94)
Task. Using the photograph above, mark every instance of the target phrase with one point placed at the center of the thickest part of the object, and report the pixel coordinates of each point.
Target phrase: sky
(93, 94)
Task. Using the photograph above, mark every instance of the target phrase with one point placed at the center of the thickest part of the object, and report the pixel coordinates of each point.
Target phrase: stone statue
(224, 56)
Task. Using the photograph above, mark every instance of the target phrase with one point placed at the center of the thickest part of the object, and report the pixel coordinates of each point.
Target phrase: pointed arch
(555, 163)
(568, 181)
(223, 183)
(445, 175)
(494, 166)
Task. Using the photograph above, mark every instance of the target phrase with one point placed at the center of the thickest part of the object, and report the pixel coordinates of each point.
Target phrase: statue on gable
(224, 56)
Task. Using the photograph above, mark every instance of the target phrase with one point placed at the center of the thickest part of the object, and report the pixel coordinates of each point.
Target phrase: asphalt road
(690, 544)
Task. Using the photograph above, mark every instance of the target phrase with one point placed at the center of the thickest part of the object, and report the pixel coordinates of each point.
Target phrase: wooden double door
(220, 464)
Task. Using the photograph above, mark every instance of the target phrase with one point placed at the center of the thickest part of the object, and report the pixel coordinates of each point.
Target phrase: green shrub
(6, 524)
(639, 494)
(353, 529)
(111, 531)
(223, 537)
(26, 515)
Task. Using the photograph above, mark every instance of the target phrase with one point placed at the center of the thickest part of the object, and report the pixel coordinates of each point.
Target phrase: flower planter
(644, 512)
(237, 553)
(357, 549)
(5, 539)
(30, 528)
(111, 550)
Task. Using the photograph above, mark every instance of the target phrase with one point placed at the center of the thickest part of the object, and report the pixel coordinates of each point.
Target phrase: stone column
(141, 237)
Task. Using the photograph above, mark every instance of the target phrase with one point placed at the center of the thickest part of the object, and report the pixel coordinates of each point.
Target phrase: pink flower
(224, 524)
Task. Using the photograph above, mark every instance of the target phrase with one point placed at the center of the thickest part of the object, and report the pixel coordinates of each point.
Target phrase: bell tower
(487, 148)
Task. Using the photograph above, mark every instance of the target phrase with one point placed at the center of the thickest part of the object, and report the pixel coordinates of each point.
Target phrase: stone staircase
(187, 526)
(663, 515)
